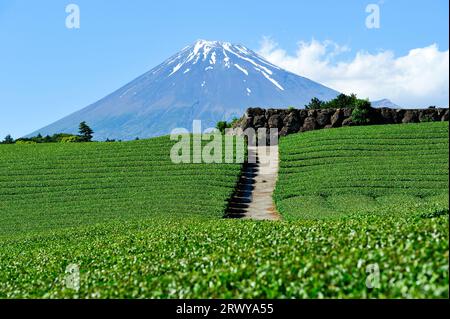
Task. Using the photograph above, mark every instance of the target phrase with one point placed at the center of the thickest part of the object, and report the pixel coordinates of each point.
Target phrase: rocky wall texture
(289, 121)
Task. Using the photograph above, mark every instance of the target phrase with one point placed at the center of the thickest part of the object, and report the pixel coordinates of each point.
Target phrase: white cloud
(418, 79)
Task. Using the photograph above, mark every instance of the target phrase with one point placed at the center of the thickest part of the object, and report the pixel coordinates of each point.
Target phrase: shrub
(234, 121)
(223, 125)
(58, 138)
(361, 112)
(69, 139)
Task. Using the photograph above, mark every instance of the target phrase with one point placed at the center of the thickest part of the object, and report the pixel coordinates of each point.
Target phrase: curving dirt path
(253, 198)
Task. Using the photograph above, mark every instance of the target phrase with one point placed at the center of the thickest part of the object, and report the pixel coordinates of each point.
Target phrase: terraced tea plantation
(138, 226)
(49, 186)
(373, 169)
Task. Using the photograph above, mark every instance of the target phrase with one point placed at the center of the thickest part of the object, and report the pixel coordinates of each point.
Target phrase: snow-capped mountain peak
(222, 56)
(207, 80)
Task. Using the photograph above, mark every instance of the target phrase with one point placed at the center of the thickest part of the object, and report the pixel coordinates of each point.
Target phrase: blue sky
(48, 71)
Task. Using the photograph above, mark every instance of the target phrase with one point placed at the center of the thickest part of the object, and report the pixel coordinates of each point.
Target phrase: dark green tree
(315, 104)
(361, 112)
(8, 140)
(86, 133)
(222, 126)
(339, 102)
(343, 101)
(38, 138)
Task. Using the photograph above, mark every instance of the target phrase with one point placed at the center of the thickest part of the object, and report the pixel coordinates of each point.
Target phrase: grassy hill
(140, 226)
(373, 169)
(49, 186)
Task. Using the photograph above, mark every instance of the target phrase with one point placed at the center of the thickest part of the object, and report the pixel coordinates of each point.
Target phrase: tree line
(361, 108)
(85, 134)
(360, 114)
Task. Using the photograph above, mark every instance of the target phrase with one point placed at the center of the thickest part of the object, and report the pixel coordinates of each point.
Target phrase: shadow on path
(253, 196)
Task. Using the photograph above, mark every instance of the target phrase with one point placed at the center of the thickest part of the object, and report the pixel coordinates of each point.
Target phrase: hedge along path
(254, 196)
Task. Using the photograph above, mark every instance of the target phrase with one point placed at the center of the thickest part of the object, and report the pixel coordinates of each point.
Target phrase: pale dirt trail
(253, 199)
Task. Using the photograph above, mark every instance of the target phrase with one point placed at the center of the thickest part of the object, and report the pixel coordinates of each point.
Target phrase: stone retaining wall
(289, 121)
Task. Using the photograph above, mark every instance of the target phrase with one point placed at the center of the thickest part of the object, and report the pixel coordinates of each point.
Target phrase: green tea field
(50, 186)
(139, 226)
(392, 169)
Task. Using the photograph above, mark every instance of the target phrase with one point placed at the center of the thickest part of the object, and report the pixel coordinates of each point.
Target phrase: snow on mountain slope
(208, 81)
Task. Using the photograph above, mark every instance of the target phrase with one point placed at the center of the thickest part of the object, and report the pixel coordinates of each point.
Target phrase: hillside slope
(138, 226)
(208, 81)
(387, 168)
(51, 186)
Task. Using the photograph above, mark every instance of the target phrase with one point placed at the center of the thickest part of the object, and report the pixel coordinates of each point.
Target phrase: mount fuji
(208, 81)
